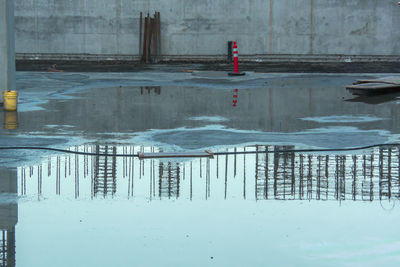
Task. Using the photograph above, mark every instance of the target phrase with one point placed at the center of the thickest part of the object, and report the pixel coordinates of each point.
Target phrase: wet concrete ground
(231, 210)
(186, 111)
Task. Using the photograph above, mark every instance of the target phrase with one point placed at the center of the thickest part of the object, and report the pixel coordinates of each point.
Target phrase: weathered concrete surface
(7, 47)
(307, 29)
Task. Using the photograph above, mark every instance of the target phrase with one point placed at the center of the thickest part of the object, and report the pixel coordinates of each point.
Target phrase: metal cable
(215, 153)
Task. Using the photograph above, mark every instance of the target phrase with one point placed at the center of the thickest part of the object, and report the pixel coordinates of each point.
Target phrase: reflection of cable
(64, 151)
(194, 153)
(306, 150)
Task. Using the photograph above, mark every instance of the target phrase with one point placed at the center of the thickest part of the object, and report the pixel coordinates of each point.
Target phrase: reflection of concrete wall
(201, 28)
(8, 215)
(9, 211)
(277, 107)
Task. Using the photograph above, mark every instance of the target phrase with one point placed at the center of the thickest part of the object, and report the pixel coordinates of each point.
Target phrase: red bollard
(236, 62)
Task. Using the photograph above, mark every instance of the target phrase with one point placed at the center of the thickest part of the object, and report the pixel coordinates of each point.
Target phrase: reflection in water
(8, 217)
(370, 176)
(105, 178)
(10, 120)
(269, 174)
(375, 98)
(149, 89)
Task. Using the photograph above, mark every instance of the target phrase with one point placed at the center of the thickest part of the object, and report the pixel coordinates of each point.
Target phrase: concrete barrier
(7, 53)
(192, 29)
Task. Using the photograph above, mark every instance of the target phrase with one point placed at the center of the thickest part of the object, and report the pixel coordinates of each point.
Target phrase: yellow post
(10, 100)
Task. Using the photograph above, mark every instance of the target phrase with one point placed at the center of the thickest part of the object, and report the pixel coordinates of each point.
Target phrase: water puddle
(259, 201)
(200, 202)
(254, 173)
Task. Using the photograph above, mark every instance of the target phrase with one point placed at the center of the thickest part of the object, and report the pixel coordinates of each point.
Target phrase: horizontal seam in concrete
(211, 58)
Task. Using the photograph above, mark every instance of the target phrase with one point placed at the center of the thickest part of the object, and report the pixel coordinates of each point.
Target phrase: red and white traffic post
(235, 62)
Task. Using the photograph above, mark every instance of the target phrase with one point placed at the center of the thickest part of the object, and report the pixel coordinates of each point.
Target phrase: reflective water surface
(228, 210)
(261, 173)
(252, 204)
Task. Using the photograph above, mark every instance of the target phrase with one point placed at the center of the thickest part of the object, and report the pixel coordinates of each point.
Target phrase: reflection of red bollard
(235, 96)
(236, 62)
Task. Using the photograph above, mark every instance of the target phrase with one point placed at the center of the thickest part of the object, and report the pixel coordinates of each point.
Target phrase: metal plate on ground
(373, 86)
(388, 80)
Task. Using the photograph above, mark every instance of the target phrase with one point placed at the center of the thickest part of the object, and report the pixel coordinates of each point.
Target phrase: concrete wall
(202, 27)
(7, 52)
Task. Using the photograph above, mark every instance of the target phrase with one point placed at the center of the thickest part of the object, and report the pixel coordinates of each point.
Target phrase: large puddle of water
(251, 204)
(246, 205)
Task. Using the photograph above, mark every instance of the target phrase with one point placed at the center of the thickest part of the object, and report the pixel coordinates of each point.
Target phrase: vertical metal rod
(140, 34)
(155, 35)
(144, 56)
(158, 36)
(149, 36)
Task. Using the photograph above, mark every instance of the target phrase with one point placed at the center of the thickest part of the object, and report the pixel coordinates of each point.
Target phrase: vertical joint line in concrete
(118, 22)
(271, 7)
(35, 3)
(84, 15)
(311, 25)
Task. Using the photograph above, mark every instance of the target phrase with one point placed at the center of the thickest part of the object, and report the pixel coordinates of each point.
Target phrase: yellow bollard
(10, 120)
(10, 100)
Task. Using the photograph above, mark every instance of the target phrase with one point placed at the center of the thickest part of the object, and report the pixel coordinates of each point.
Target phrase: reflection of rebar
(40, 175)
(278, 174)
(105, 171)
(354, 184)
(283, 173)
(387, 166)
(7, 247)
(3, 250)
(244, 174)
(169, 180)
(226, 176)
(311, 175)
(191, 180)
(309, 178)
(58, 186)
(301, 175)
(208, 180)
(262, 173)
